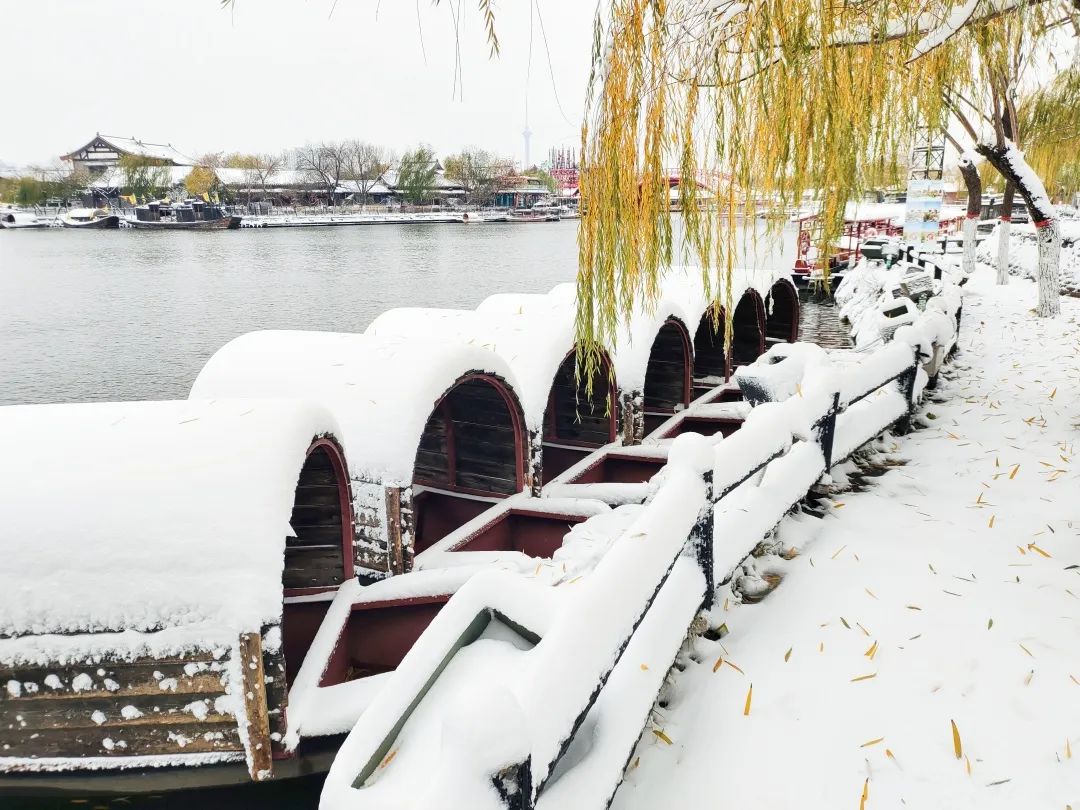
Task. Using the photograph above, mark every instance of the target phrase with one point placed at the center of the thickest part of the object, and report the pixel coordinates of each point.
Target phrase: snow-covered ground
(922, 649)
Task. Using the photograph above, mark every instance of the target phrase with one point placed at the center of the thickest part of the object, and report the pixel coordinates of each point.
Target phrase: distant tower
(526, 135)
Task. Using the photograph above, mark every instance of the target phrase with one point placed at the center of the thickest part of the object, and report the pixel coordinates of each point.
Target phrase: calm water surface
(117, 315)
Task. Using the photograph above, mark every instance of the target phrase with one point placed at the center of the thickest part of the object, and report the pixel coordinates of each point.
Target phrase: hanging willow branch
(760, 101)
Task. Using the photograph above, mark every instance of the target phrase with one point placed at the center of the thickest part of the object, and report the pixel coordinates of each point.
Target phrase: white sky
(273, 74)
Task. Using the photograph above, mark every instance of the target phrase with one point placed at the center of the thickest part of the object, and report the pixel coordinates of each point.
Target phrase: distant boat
(191, 216)
(11, 218)
(89, 218)
(532, 215)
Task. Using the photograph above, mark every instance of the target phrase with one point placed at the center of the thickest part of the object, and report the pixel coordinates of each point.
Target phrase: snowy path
(946, 592)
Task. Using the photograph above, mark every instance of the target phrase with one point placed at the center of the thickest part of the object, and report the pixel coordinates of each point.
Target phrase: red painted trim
(792, 296)
(1005, 219)
(971, 216)
(608, 372)
(341, 474)
(1043, 223)
(688, 356)
(517, 421)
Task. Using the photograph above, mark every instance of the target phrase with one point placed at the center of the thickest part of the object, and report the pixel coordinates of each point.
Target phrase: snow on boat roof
(634, 340)
(534, 343)
(146, 516)
(381, 390)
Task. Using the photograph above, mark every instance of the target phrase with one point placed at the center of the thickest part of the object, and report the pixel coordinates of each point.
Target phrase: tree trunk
(970, 174)
(1005, 232)
(1009, 161)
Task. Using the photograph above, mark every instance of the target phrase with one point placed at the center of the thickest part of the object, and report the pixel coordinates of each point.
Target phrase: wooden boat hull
(225, 223)
(111, 221)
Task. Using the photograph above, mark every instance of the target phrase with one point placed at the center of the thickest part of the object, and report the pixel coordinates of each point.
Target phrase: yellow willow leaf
(662, 736)
(967, 761)
(1068, 749)
(719, 663)
(837, 554)
(644, 667)
(749, 697)
(537, 571)
(1027, 680)
(1035, 548)
(821, 647)
(892, 756)
(991, 525)
(865, 794)
(870, 592)
(871, 651)
(635, 763)
(958, 747)
(389, 759)
(865, 632)
(1015, 470)
(787, 655)
(1073, 678)
(868, 743)
(843, 621)
(864, 677)
(1053, 393)
(734, 667)
(838, 505)
(1025, 649)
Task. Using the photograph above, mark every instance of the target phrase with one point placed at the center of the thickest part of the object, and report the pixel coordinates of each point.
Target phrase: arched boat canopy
(382, 390)
(782, 312)
(747, 329)
(146, 527)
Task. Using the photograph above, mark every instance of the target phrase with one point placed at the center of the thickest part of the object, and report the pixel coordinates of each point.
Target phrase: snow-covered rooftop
(381, 389)
(125, 518)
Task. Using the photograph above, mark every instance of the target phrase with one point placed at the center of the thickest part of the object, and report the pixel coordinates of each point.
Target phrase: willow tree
(775, 98)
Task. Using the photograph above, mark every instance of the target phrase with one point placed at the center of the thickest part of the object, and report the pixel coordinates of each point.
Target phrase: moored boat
(12, 218)
(89, 218)
(191, 216)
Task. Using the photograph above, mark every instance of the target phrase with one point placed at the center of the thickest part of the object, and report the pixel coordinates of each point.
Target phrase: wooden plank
(393, 530)
(314, 566)
(146, 740)
(260, 759)
(115, 711)
(192, 676)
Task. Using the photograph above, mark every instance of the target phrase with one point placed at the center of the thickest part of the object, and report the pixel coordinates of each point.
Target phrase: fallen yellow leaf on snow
(864, 677)
(662, 736)
(749, 696)
(958, 747)
(868, 743)
(872, 651)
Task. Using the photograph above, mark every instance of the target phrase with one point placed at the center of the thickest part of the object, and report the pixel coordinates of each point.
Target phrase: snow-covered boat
(13, 219)
(532, 215)
(289, 552)
(192, 216)
(89, 218)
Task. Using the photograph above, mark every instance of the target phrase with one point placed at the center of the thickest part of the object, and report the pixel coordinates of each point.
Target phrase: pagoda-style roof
(133, 146)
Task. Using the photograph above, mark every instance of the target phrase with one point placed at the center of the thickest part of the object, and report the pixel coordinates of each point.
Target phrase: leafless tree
(365, 165)
(324, 164)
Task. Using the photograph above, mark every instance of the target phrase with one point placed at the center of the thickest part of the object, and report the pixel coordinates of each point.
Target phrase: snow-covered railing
(714, 503)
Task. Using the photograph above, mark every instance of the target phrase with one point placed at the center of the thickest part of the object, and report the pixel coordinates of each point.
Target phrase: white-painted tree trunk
(967, 263)
(1004, 229)
(1048, 235)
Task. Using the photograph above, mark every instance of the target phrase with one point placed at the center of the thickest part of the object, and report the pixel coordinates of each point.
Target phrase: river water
(118, 315)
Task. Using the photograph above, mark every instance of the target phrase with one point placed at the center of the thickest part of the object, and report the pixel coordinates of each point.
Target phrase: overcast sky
(266, 75)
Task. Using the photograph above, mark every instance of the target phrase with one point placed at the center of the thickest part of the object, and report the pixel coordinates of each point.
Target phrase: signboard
(922, 215)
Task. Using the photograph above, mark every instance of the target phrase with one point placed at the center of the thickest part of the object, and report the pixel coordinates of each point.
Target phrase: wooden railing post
(253, 684)
(701, 536)
(826, 430)
(906, 382)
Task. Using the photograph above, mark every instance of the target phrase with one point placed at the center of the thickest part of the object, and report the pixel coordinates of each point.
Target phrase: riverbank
(946, 592)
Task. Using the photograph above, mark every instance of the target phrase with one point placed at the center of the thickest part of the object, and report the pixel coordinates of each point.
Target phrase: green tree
(477, 171)
(416, 175)
(144, 177)
(544, 177)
